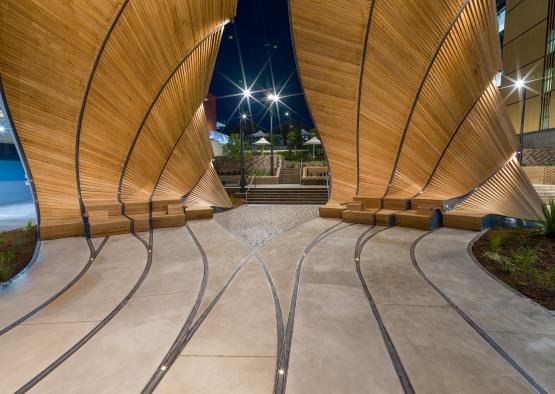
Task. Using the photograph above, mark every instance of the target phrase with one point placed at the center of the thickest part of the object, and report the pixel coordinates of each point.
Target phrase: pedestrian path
(271, 300)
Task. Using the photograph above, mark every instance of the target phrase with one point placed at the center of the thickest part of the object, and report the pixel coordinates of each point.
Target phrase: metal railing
(248, 188)
(301, 170)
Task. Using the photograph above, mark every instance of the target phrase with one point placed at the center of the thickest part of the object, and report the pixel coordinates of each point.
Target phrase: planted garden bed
(523, 259)
(16, 250)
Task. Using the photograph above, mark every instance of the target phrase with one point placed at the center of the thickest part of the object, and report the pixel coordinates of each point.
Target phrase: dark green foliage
(549, 223)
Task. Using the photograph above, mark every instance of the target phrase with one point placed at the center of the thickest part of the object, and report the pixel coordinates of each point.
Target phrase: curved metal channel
(22, 156)
(448, 145)
(176, 347)
(512, 362)
(93, 255)
(362, 64)
(419, 91)
(280, 328)
(84, 103)
(155, 100)
(283, 359)
(391, 350)
(302, 86)
(148, 245)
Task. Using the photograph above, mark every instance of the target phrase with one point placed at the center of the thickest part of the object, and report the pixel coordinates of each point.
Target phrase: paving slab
(282, 253)
(242, 325)
(128, 350)
(523, 328)
(337, 346)
(58, 262)
(39, 341)
(224, 253)
(439, 350)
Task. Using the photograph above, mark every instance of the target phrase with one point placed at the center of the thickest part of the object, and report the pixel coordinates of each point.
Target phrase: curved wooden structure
(407, 106)
(101, 92)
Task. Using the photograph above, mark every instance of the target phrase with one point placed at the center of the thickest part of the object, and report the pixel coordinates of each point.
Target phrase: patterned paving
(256, 224)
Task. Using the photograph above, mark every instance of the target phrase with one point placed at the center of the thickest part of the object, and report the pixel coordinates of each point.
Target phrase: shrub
(525, 258)
(6, 268)
(549, 215)
(495, 241)
(29, 225)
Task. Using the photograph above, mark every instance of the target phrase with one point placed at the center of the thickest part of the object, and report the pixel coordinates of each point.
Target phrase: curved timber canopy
(406, 104)
(106, 97)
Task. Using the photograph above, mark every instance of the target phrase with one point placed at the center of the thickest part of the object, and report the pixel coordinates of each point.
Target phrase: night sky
(262, 30)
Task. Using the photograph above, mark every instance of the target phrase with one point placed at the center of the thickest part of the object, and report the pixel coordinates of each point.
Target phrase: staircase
(546, 192)
(290, 195)
(290, 176)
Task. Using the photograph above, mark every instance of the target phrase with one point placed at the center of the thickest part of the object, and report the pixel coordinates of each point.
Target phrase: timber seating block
(399, 204)
(386, 217)
(106, 219)
(369, 202)
(429, 220)
(61, 228)
(198, 212)
(140, 222)
(100, 227)
(466, 221)
(359, 216)
(113, 208)
(332, 210)
(354, 206)
(162, 219)
(174, 209)
(428, 202)
(132, 208)
(168, 213)
(162, 205)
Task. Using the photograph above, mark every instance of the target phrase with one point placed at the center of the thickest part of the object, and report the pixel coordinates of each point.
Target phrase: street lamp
(272, 98)
(521, 84)
(241, 160)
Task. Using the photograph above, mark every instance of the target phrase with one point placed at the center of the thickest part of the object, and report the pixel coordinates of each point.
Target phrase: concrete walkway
(265, 300)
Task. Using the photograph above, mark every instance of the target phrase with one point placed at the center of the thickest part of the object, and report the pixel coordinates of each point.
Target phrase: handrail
(301, 169)
(328, 176)
(248, 188)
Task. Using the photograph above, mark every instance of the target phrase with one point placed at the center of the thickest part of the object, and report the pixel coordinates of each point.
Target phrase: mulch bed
(527, 283)
(22, 242)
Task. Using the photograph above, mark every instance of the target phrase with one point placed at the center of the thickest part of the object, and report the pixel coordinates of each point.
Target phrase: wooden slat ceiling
(168, 119)
(430, 120)
(188, 161)
(209, 191)
(106, 73)
(147, 44)
(47, 51)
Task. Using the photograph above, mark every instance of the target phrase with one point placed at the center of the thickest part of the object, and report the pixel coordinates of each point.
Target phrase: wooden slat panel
(467, 62)
(486, 134)
(188, 161)
(507, 193)
(401, 43)
(168, 119)
(329, 37)
(146, 45)
(209, 191)
(47, 49)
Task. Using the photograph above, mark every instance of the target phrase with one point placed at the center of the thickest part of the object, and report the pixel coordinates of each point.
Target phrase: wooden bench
(168, 213)
(332, 210)
(61, 228)
(465, 220)
(199, 212)
(369, 202)
(138, 212)
(101, 223)
(424, 218)
(105, 218)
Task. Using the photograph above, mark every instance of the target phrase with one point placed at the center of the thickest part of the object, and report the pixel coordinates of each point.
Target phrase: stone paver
(256, 224)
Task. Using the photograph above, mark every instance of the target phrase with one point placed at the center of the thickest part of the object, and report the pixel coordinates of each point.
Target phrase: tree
(232, 150)
(294, 138)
